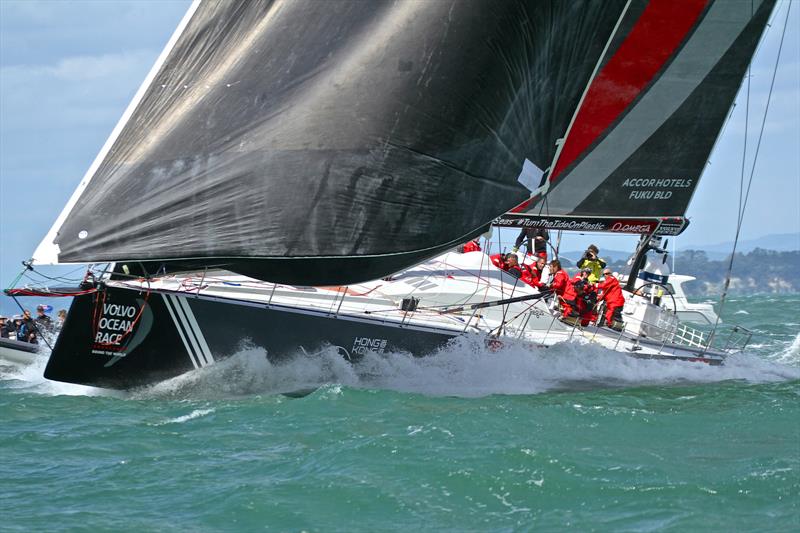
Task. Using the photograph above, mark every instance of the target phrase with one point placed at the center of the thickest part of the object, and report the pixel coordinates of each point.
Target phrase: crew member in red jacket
(611, 293)
(498, 260)
(471, 246)
(562, 287)
(535, 273)
(585, 296)
(559, 280)
(509, 263)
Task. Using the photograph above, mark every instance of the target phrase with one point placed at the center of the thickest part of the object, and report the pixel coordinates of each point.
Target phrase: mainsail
(639, 142)
(329, 142)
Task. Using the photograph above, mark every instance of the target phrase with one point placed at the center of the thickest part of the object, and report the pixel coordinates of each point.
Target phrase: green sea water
(570, 438)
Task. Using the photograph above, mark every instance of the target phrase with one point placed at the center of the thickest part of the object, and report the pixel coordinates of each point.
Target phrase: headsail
(641, 138)
(330, 142)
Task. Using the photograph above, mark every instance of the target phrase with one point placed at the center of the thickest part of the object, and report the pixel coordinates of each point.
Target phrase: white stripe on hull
(202, 345)
(178, 326)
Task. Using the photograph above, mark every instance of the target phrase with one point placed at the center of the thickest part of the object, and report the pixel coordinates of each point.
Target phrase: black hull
(173, 333)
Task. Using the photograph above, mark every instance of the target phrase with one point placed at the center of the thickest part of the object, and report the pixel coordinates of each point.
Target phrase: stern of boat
(119, 338)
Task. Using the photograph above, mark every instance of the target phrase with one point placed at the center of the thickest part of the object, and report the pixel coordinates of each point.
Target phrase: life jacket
(597, 266)
(25, 330)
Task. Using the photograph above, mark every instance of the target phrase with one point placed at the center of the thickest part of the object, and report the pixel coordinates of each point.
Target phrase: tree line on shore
(756, 272)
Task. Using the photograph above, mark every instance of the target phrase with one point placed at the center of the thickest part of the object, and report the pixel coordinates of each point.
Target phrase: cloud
(67, 72)
(74, 92)
(37, 31)
(87, 68)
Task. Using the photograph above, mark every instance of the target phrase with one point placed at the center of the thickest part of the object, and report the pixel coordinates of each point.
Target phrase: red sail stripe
(521, 207)
(661, 27)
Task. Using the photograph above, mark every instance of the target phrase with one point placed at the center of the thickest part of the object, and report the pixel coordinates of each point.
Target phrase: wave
(465, 368)
(30, 378)
(197, 413)
(791, 355)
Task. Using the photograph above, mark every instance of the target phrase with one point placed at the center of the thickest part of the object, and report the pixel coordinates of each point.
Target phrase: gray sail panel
(648, 162)
(336, 131)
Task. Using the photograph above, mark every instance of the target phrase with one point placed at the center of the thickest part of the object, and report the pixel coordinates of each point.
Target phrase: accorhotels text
(654, 188)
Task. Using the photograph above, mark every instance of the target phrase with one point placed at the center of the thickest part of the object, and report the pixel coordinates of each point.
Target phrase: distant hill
(779, 242)
(609, 255)
(754, 272)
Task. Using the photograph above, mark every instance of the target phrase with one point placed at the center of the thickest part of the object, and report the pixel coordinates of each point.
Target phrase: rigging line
(446, 275)
(527, 309)
(506, 307)
(750, 179)
(766, 111)
(62, 279)
(478, 279)
(480, 269)
(27, 265)
(761, 42)
(746, 129)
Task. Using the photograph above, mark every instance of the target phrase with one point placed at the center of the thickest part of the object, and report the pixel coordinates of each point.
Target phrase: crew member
(508, 263)
(611, 293)
(585, 297)
(562, 287)
(4, 328)
(513, 267)
(543, 270)
(42, 320)
(537, 241)
(471, 246)
(538, 274)
(15, 326)
(592, 261)
(26, 330)
(560, 278)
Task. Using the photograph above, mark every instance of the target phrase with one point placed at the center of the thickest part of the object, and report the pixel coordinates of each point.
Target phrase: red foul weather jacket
(611, 292)
(472, 246)
(562, 285)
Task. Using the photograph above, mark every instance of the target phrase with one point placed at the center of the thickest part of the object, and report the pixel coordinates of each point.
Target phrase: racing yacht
(297, 174)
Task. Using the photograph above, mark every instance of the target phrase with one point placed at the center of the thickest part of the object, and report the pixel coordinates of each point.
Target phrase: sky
(69, 69)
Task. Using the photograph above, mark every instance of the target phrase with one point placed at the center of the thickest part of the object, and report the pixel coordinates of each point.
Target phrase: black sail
(641, 138)
(322, 142)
